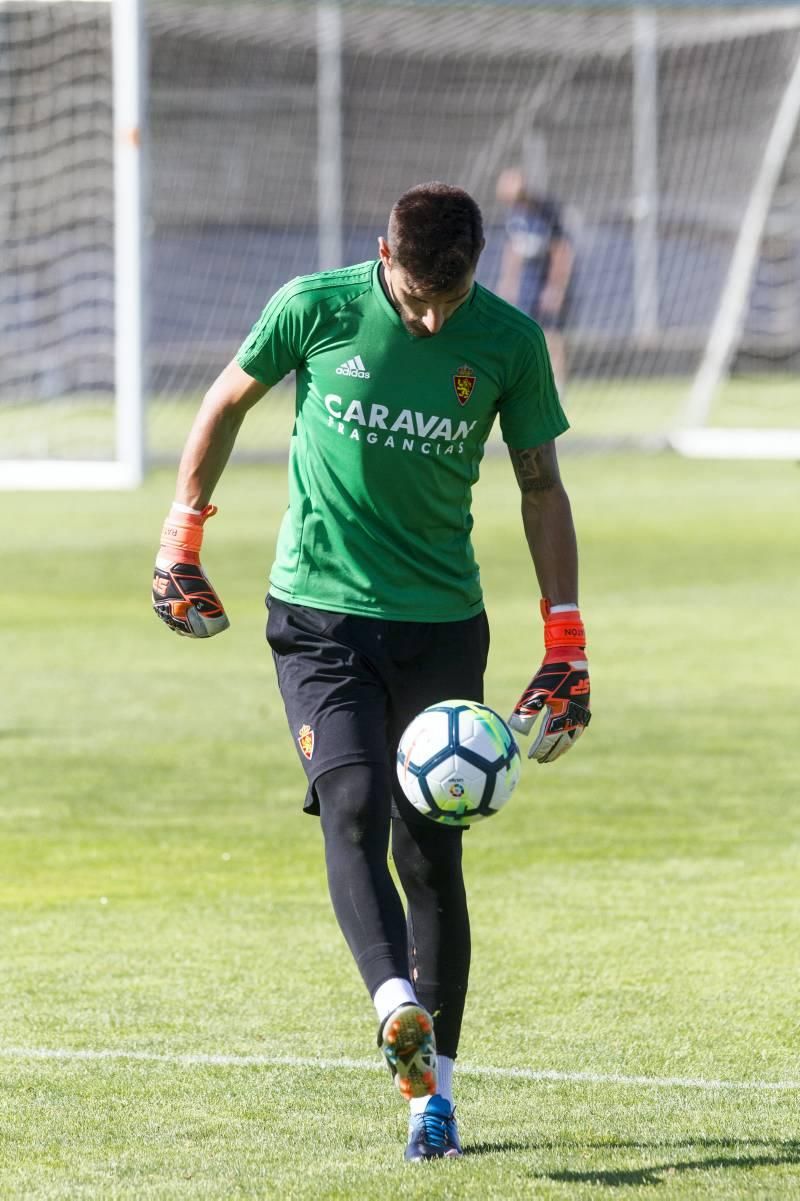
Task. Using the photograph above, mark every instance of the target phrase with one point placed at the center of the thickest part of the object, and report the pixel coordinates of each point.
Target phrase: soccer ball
(457, 762)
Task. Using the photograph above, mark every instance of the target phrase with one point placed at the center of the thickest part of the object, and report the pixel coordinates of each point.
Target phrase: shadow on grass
(773, 1154)
(499, 1148)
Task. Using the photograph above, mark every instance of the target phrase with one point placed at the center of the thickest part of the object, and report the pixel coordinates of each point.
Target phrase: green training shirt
(388, 437)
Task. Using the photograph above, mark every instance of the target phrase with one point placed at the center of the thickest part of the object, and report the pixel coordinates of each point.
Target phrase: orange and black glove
(182, 593)
(560, 689)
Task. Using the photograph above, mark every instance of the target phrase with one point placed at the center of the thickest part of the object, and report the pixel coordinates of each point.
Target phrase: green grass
(623, 408)
(634, 908)
(83, 426)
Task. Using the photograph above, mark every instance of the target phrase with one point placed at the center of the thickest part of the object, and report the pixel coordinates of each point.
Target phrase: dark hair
(436, 235)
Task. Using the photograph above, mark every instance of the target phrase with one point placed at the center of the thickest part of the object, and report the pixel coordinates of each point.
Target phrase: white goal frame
(696, 438)
(126, 469)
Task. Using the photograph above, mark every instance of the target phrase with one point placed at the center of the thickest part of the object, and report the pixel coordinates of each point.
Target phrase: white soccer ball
(457, 762)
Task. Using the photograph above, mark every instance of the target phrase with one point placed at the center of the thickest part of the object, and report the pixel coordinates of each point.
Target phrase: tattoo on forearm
(536, 470)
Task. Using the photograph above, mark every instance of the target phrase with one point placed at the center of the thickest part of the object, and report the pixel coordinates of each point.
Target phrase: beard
(411, 323)
(414, 326)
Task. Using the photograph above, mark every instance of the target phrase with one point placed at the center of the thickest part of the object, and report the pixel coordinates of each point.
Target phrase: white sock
(444, 1085)
(444, 1077)
(393, 992)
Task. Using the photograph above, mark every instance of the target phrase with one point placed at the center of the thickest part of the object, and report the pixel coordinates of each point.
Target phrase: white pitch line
(369, 1065)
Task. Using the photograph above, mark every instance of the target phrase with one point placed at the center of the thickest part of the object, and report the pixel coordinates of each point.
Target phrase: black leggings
(432, 945)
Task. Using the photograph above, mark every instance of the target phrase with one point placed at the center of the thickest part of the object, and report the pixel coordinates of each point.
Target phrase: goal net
(70, 245)
(279, 134)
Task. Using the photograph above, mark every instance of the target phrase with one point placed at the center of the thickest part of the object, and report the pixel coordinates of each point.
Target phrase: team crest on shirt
(305, 739)
(464, 382)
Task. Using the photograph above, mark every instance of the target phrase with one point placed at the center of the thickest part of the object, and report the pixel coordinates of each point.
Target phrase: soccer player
(375, 605)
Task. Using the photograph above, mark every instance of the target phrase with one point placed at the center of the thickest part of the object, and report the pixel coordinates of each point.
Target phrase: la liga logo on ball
(458, 762)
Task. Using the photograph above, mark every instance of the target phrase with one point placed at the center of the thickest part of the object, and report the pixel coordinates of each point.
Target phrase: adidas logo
(353, 367)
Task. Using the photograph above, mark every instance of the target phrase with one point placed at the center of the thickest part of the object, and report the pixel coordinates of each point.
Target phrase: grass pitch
(179, 1017)
(614, 409)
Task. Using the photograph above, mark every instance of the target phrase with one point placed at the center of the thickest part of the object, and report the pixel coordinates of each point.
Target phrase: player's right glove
(182, 593)
(559, 691)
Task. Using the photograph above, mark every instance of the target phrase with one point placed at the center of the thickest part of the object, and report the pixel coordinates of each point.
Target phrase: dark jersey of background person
(531, 228)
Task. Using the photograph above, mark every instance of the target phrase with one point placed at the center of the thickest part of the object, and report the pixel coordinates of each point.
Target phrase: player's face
(422, 313)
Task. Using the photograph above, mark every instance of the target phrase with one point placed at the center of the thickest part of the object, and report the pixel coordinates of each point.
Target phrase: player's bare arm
(559, 691)
(213, 434)
(562, 259)
(547, 520)
(508, 283)
(183, 596)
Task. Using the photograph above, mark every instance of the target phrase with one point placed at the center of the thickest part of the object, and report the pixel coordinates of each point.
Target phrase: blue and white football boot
(433, 1134)
(407, 1040)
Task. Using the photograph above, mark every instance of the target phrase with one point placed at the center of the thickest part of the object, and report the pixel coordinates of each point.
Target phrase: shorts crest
(305, 739)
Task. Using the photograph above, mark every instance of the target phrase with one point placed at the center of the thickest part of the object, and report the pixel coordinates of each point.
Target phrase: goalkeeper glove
(559, 690)
(182, 593)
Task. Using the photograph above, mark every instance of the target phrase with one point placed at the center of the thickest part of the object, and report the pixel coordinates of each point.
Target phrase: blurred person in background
(537, 261)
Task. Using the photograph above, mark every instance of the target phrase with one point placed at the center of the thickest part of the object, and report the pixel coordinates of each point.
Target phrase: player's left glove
(559, 690)
(183, 596)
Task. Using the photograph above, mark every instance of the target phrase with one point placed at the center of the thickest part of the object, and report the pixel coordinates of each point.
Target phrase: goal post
(128, 57)
(81, 64)
(695, 437)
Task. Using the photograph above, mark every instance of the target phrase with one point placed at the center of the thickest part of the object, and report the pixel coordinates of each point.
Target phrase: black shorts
(352, 684)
